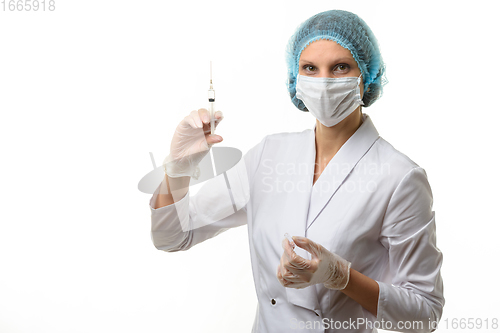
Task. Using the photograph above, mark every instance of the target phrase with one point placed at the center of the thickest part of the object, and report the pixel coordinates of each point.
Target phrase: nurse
(363, 254)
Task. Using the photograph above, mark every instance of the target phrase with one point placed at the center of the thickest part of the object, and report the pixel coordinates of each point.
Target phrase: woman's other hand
(324, 267)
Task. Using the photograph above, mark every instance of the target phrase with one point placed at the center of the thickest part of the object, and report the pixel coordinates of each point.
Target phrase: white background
(88, 90)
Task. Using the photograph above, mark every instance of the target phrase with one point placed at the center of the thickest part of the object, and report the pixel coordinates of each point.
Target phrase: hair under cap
(350, 32)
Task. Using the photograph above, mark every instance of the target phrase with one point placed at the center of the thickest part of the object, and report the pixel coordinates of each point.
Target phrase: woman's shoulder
(287, 145)
(279, 145)
(285, 141)
(384, 153)
(394, 155)
(289, 136)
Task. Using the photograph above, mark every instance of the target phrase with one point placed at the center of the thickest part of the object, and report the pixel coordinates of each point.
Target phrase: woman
(363, 254)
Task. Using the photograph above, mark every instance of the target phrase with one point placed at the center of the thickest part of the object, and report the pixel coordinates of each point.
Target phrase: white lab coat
(372, 205)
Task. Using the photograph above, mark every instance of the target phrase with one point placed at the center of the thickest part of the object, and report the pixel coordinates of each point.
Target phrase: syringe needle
(211, 102)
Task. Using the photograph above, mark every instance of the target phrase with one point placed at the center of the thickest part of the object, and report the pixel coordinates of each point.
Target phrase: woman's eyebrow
(333, 60)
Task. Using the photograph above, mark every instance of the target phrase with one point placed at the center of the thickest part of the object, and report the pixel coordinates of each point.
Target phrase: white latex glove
(324, 267)
(191, 142)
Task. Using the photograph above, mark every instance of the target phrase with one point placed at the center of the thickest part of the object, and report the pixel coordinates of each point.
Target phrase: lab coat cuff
(382, 301)
(402, 310)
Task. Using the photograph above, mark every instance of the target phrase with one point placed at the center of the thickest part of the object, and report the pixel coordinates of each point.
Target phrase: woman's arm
(363, 290)
(180, 186)
(415, 290)
(180, 221)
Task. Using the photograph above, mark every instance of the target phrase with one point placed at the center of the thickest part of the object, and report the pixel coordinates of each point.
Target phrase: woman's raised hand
(190, 143)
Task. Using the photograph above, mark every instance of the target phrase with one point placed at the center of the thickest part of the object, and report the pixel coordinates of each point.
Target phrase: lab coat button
(273, 301)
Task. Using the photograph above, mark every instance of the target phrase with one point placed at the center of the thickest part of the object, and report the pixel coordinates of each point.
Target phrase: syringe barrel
(290, 240)
(211, 111)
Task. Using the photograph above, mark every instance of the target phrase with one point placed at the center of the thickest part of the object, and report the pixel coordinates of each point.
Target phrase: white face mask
(330, 100)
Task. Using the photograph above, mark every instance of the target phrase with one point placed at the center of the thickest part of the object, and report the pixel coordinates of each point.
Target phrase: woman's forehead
(322, 48)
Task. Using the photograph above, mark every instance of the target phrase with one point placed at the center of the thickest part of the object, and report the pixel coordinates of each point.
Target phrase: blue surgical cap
(352, 33)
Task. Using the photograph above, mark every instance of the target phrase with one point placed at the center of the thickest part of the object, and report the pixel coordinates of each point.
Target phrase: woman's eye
(309, 68)
(341, 67)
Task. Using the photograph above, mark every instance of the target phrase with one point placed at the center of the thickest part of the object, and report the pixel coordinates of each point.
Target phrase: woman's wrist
(363, 290)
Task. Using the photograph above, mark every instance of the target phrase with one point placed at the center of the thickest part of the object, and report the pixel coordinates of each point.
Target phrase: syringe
(211, 102)
(290, 240)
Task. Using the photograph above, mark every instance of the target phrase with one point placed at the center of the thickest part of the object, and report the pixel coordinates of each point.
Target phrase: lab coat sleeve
(409, 233)
(213, 210)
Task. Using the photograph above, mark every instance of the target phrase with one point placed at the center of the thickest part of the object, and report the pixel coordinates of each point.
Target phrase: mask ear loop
(361, 100)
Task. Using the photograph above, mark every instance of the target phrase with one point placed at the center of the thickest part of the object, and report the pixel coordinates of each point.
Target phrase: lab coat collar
(307, 205)
(340, 166)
